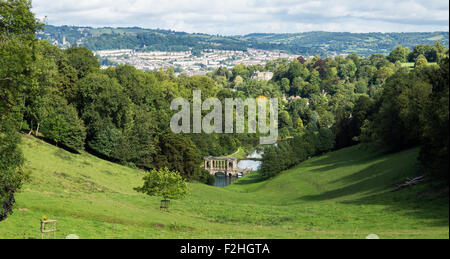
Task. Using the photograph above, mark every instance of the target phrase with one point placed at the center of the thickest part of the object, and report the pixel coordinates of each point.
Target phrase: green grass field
(411, 65)
(345, 194)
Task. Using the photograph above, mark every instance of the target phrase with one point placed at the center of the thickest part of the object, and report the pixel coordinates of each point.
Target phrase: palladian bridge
(224, 165)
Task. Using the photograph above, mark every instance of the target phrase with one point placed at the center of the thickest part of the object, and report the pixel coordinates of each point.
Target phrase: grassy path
(239, 154)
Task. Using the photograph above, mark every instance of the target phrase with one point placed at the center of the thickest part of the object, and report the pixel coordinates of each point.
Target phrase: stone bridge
(227, 166)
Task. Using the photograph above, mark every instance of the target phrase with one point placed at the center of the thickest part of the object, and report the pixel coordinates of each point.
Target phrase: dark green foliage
(428, 51)
(294, 151)
(106, 139)
(63, 126)
(82, 60)
(398, 124)
(413, 111)
(138, 142)
(101, 98)
(399, 54)
(203, 176)
(178, 152)
(325, 140)
(215, 144)
(17, 20)
(17, 42)
(434, 153)
(11, 160)
(348, 124)
(276, 159)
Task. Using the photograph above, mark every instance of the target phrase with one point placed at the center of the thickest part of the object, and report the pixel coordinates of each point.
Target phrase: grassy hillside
(344, 194)
(308, 43)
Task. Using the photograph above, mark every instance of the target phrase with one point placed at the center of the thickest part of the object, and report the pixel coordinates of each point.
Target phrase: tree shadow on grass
(421, 202)
(378, 174)
(339, 159)
(373, 179)
(373, 186)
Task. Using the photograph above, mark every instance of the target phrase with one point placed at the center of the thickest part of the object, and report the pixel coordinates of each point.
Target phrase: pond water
(223, 180)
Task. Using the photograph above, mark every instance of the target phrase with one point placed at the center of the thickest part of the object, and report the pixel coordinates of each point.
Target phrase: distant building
(262, 75)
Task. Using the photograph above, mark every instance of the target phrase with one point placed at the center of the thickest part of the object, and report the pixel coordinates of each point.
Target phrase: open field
(411, 65)
(344, 194)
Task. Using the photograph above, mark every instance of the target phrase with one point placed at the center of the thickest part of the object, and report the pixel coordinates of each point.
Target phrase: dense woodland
(123, 114)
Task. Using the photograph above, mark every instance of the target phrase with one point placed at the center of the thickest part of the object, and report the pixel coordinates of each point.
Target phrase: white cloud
(247, 16)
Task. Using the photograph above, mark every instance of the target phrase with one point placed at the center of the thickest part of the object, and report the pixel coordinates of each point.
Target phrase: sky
(240, 17)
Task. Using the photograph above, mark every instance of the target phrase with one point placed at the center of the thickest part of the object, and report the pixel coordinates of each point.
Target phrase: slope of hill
(344, 194)
(346, 43)
(309, 43)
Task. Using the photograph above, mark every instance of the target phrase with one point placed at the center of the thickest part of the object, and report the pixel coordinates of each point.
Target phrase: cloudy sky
(232, 17)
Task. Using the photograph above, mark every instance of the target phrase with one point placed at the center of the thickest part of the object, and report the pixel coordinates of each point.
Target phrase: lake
(223, 180)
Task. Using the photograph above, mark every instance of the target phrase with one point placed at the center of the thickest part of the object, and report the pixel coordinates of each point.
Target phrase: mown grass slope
(344, 194)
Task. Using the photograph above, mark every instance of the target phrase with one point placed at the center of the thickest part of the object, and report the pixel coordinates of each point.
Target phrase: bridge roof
(220, 158)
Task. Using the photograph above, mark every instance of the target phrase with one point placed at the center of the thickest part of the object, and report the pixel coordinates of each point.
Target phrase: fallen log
(409, 182)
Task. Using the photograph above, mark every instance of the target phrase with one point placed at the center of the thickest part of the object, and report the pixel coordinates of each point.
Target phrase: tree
(106, 139)
(238, 81)
(100, 99)
(325, 140)
(11, 160)
(299, 125)
(63, 126)
(428, 51)
(434, 152)
(421, 62)
(242, 71)
(284, 120)
(82, 60)
(347, 70)
(164, 183)
(50, 84)
(361, 86)
(384, 73)
(138, 142)
(399, 54)
(276, 159)
(297, 69)
(178, 153)
(441, 50)
(285, 85)
(17, 42)
(399, 120)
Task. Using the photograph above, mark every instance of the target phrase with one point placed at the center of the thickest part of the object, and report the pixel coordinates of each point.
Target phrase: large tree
(164, 183)
(17, 40)
(83, 60)
(434, 153)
